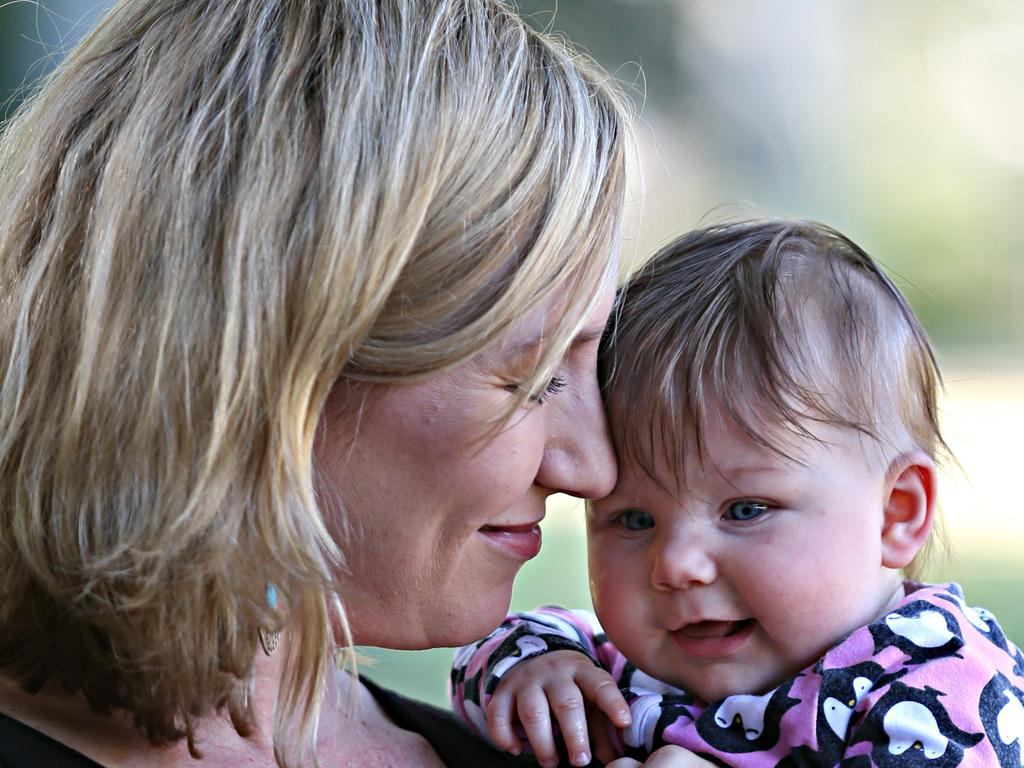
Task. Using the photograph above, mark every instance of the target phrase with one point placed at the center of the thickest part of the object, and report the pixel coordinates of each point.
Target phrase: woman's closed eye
(635, 520)
(553, 386)
(745, 510)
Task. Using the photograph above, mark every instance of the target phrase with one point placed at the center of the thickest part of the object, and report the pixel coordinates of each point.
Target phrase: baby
(773, 402)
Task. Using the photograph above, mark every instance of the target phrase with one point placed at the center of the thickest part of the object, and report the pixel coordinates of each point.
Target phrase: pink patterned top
(931, 683)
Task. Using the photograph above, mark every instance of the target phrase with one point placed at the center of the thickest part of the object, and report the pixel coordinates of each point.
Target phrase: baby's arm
(491, 687)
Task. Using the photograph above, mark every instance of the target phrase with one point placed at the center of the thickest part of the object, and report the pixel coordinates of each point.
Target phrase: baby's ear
(911, 487)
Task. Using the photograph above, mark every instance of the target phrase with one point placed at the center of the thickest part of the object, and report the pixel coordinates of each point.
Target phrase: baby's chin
(733, 682)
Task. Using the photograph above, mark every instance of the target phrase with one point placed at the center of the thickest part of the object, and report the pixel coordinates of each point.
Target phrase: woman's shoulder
(24, 747)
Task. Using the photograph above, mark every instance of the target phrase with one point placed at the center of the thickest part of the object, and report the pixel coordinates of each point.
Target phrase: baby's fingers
(535, 717)
(599, 687)
(499, 722)
(570, 711)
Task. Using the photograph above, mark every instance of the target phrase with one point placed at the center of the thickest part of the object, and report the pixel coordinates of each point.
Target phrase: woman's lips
(521, 541)
(708, 639)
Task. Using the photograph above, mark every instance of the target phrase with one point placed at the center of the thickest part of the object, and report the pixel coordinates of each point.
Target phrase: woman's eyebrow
(524, 346)
(588, 335)
(531, 345)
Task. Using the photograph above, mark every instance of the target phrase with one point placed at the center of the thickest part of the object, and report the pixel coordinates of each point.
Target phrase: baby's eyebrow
(741, 470)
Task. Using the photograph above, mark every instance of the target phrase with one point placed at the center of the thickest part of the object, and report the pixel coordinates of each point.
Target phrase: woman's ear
(911, 488)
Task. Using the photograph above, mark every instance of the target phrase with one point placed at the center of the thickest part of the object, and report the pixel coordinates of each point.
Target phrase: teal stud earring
(269, 640)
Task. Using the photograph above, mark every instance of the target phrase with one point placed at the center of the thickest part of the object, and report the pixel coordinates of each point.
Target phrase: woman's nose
(682, 561)
(578, 455)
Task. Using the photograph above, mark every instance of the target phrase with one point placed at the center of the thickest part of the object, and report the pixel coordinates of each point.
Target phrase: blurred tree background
(902, 124)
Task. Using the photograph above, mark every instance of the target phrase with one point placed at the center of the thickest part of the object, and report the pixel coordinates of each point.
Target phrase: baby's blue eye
(636, 520)
(746, 510)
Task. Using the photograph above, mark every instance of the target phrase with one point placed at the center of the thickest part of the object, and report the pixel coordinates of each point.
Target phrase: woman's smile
(519, 541)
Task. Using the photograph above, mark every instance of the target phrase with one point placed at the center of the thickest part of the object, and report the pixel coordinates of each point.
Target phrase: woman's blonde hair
(211, 212)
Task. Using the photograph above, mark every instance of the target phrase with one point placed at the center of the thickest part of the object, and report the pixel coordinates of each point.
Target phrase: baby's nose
(681, 562)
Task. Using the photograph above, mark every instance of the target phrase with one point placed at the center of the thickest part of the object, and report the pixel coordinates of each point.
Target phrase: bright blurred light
(979, 74)
(982, 419)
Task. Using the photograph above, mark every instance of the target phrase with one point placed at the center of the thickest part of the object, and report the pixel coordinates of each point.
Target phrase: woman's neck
(112, 740)
(353, 732)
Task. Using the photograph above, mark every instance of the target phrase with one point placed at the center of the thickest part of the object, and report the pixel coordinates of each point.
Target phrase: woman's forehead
(527, 335)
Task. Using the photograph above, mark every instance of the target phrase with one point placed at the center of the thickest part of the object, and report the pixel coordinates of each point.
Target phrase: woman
(299, 314)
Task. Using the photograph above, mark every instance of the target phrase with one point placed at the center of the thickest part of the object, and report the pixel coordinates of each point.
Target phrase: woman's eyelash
(554, 385)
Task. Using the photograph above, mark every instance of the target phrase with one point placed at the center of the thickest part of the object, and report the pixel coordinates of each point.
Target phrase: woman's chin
(464, 620)
(473, 620)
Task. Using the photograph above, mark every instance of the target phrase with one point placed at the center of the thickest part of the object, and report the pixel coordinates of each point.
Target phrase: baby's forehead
(726, 448)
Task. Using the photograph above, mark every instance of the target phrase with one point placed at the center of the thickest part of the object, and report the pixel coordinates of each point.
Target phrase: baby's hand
(562, 683)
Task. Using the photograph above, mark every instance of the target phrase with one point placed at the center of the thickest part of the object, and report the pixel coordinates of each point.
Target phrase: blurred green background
(901, 124)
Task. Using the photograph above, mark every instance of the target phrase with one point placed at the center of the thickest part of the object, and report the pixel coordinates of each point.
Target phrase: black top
(25, 747)
(454, 744)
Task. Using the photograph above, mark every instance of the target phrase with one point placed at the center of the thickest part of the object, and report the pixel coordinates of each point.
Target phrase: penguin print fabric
(933, 683)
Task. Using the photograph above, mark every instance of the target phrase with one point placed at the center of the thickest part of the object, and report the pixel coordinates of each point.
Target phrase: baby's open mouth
(714, 639)
(705, 629)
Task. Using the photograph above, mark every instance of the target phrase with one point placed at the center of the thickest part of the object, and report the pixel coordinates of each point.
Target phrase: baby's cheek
(802, 628)
(782, 599)
(607, 601)
(620, 586)
(621, 611)
(610, 605)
